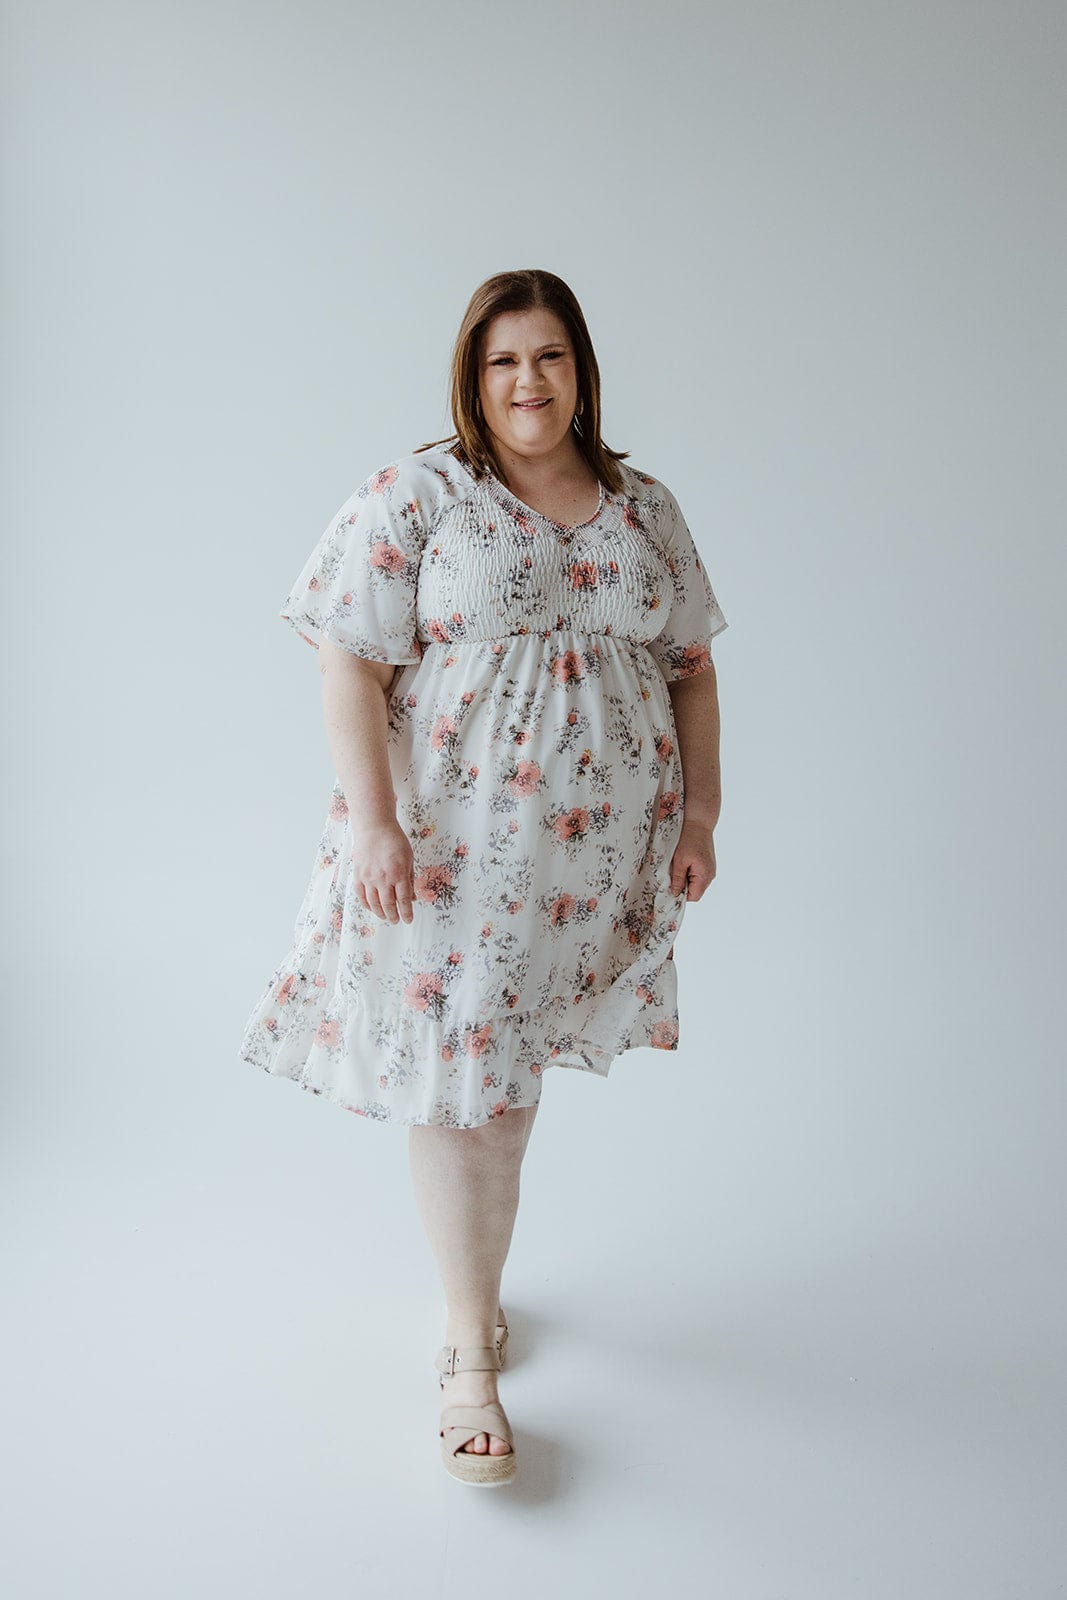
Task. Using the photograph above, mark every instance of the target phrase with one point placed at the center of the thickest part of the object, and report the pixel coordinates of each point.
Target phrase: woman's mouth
(531, 405)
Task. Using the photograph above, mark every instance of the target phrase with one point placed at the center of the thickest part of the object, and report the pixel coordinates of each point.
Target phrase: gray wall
(812, 1264)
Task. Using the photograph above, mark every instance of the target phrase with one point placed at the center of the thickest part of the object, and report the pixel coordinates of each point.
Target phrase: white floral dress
(535, 761)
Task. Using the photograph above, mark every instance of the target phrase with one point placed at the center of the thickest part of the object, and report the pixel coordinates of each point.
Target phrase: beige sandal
(460, 1424)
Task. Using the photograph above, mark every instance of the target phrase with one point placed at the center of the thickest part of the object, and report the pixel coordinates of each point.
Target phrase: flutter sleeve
(359, 585)
(682, 648)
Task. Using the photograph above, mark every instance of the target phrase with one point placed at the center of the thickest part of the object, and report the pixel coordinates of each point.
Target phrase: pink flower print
(572, 717)
(319, 981)
(664, 746)
(329, 1033)
(514, 906)
(592, 903)
(668, 804)
(497, 647)
(478, 1039)
(424, 990)
(411, 701)
(442, 731)
(695, 657)
(455, 957)
(437, 630)
(644, 993)
(567, 667)
(606, 807)
(572, 824)
(413, 506)
(524, 783)
(664, 1035)
(474, 773)
(521, 736)
(433, 883)
(382, 480)
(457, 616)
(446, 1052)
(337, 917)
(271, 1024)
(584, 575)
(500, 1107)
(535, 1068)
(383, 1081)
(462, 849)
(487, 1081)
(339, 807)
(286, 989)
(487, 928)
(630, 517)
(561, 909)
(513, 825)
(467, 696)
(387, 557)
(585, 758)
(346, 599)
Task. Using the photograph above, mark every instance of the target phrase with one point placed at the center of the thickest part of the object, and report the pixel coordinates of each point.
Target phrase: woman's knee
(505, 1133)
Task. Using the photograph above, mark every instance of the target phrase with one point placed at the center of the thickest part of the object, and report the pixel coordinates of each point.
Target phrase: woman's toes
(478, 1444)
(498, 1447)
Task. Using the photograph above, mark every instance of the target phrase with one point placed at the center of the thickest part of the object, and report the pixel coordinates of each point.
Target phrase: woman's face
(528, 381)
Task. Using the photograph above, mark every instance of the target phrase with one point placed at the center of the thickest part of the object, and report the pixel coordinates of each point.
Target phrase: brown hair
(526, 290)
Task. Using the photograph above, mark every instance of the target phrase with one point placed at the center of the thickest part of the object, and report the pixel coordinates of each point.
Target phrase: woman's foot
(474, 1388)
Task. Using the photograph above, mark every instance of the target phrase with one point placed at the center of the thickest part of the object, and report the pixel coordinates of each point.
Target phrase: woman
(514, 634)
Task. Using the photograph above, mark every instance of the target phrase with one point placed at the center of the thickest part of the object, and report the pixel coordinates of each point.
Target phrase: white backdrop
(800, 1336)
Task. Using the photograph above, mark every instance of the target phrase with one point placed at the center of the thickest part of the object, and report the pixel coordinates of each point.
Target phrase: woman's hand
(693, 862)
(383, 866)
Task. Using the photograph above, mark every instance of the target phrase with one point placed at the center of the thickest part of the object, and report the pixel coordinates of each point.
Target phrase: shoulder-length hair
(526, 290)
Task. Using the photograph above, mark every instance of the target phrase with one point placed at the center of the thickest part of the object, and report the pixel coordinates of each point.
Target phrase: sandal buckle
(449, 1354)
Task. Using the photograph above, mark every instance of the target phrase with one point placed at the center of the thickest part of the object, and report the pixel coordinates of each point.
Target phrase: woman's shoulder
(432, 478)
(650, 492)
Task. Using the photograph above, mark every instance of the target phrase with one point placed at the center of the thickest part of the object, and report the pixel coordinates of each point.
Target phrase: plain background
(788, 1306)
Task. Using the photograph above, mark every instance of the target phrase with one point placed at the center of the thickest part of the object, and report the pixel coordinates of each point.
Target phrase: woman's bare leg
(466, 1184)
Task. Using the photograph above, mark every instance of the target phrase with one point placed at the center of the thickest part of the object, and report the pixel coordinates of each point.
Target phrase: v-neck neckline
(510, 500)
(519, 509)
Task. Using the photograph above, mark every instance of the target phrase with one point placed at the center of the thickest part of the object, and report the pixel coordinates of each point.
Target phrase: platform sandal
(460, 1424)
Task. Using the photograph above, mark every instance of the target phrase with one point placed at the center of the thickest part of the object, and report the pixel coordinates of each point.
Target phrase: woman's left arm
(695, 701)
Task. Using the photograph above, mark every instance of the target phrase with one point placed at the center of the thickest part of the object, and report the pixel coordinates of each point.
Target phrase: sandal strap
(472, 1420)
(467, 1358)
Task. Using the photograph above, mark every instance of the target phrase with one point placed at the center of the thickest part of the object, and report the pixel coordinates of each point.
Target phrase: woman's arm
(355, 707)
(695, 702)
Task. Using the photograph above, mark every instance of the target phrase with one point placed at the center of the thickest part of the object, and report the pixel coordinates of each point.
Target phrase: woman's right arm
(355, 707)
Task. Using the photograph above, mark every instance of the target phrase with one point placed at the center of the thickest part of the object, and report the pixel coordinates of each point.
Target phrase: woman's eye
(553, 355)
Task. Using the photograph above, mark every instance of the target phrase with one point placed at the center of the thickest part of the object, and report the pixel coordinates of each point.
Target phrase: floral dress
(535, 761)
